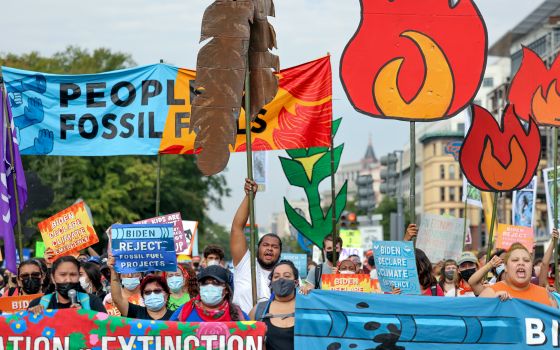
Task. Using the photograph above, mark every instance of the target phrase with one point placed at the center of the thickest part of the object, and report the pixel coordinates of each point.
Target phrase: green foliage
(117, 189)
(387, 206)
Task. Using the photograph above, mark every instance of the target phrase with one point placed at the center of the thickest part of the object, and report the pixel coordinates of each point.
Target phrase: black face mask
(64, 288)
(466, 274)
(31, 285)
(332, 254)
(283, 287)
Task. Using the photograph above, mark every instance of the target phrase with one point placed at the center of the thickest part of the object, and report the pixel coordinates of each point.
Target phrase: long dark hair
(94, 275)
(442, 280)
(424, 267)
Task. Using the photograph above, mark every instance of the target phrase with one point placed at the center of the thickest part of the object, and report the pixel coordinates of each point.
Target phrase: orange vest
(533, 292)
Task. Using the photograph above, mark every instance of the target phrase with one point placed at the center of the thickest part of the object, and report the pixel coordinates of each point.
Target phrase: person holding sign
(428, 283)
(30, 279)
(215, 302)
(153, 289)
(69, 294)
(330, 252)
(517, 283)
(279, 313)
(347, 267)
(269, 249)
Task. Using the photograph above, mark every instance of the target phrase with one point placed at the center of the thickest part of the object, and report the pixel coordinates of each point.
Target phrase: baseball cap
(215, 271)
(467, 257)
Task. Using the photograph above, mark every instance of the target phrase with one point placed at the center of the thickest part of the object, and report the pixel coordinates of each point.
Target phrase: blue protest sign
(350, 320)
(300, 260)
(143, 248)
(396, 266)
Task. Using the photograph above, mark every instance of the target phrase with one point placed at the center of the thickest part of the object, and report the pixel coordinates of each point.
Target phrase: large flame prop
(415, 60)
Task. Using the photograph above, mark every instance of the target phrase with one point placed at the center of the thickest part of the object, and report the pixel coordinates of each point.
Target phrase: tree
(387, 206)
(117, 189)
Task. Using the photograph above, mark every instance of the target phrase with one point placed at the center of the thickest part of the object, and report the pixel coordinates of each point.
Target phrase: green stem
(555, 206)
(492, 224)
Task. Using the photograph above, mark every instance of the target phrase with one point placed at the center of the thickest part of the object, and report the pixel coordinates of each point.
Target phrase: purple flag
(8, 215)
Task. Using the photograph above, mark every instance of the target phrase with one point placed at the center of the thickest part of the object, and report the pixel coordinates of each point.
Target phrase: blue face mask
(175, 283)
(154, 302)
(500, 269)
(211, 295)
(130, 283)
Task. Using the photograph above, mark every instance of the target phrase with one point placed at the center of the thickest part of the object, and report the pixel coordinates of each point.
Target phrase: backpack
(318, 275)
(83, 299)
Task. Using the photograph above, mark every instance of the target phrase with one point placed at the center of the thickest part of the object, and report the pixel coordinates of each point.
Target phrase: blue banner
(396, 266)
(143, 248)
(300, 260)
(345, 320)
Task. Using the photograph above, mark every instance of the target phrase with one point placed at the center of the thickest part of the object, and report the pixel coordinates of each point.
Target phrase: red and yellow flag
(299, 116)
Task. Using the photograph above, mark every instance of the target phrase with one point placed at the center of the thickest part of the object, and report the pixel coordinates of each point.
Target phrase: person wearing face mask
(177, 282)
(213, 255)
(347, 267)
(468, 264)
(278, 313)
(130, 291)
(153, 289)
(65, 275)
(517, 283)
(29, 279)
(330, 252)
(215, 301)
(90, 279)
(477, 280)
(449, 282)
(269, 249)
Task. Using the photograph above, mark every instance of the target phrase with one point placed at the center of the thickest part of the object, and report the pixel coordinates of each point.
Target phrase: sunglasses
(155, 291)
(32, 275)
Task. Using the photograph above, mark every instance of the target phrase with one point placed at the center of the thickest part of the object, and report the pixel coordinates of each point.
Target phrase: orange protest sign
(509, 234)
(68, 231)
(17, 303)
(350, 283)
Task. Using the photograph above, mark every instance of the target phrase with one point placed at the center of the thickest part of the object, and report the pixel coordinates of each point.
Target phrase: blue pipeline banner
(345, 320)
(146, 110)
(143, 248)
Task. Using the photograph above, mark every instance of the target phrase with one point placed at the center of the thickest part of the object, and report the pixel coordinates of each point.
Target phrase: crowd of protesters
(209, 292)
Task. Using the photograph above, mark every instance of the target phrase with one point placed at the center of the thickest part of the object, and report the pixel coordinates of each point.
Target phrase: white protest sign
(440, 237)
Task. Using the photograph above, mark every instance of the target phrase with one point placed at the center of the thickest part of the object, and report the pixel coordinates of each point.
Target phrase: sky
(169, 30)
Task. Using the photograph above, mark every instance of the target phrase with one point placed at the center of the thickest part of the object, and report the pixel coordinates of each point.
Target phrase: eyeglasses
(31, 275)
(155, 291)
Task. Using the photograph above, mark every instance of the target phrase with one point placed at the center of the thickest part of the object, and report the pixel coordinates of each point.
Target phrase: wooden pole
(158, 177)
(465, 222)
(412, 202)
(333, 201)
(249, 153)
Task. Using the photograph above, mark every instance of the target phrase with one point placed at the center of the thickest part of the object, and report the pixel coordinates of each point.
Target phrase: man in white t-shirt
(269, 249)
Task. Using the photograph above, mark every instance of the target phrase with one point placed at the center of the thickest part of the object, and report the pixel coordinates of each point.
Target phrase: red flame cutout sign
(495, 158)
(534, 90)
(415, 60)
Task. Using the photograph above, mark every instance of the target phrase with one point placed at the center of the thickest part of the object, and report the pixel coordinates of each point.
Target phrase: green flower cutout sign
(307, 168)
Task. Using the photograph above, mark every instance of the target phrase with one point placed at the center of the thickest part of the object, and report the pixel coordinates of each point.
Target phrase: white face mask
(84, 283)
(347, 272)
(212, 262)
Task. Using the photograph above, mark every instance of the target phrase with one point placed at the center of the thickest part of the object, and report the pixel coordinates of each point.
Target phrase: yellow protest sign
(68, 231)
